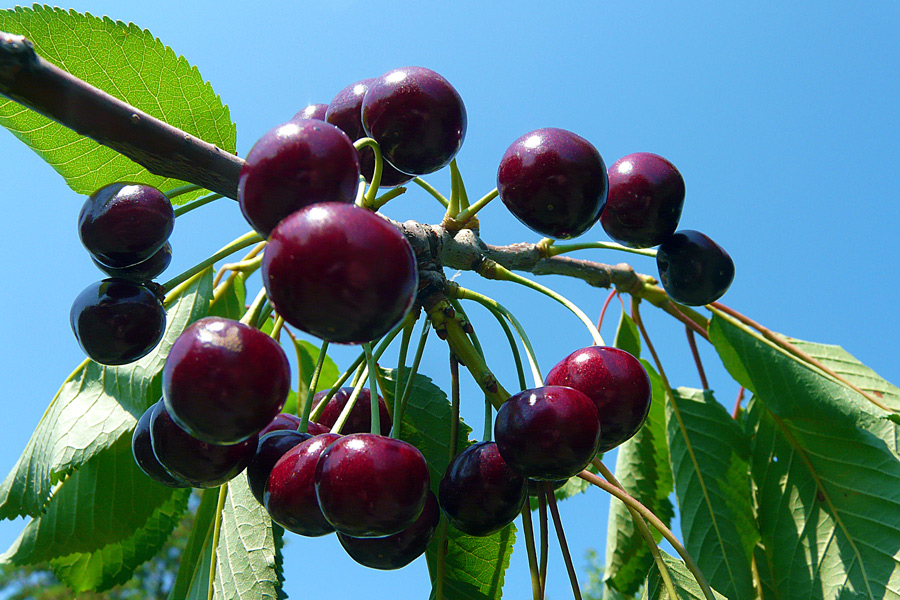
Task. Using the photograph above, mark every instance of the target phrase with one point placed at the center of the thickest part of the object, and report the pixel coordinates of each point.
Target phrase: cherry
(480, 493)
(646, 195)
(123, 223)
(548, 433)
(693, 269)
(117, 321)
(340, 272)
(283, 421)
(224, 381)
(142, 450)
(398, 550)
(554, 182)
(617, 383)
(197, 463)
(360, 418)
(147, 269)
(271, 447)
(370, 485)
(345, 111)
(293, 165)
(417, 118)
(290, 496)
(313, 111)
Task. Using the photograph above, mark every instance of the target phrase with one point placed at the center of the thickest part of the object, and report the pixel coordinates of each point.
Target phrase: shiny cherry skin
(360, 418)
(142, 450)
(398, 550)
(548, 433)
(416, 116)
(646, 195)
(290, 496)
(617, 383)
(554, 182)
(480, 493)
(313, 111)
(693, 269)
(271, 447)
(123, 223)
(340, 272)
(195, 462)
(117, 321)
(146, 270)
(294, 165)
(345, 111)
(284, 421)
(370, 485)
(224, 381)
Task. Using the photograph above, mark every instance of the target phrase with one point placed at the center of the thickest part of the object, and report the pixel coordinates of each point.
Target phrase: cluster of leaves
(797, 497)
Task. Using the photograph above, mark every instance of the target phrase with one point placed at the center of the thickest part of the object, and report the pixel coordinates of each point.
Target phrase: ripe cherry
(554, 182)
(693, 269)
(224, 381)
(142, 449)
(340, 272)
(360, 418)
(646, 195)
(617, 383)
(313, 111)
(145, 270)
(271, 447)
(417, 118)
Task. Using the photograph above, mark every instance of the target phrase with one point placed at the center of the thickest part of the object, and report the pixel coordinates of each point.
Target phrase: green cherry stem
(561, 538)
(398, 380)
(557, 249)
(453, 205)
(407, 389)
(441, 570)
(184, 189)
(545, 539)
(387, 197)
(220, 507)
(431, 190)
(367, 142)
(253, 313)
(465, 215)
(186, 208)
(351, 402)
(454, 405)
(373, 389)
(248, 239)
(532, 554)
(277, 326)
(313, 383)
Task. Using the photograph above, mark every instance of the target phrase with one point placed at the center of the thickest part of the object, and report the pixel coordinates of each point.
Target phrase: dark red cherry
(554, 182)
(370, 485)
(479, 492)
(117, 321)
(548, 433)
(124, 223)
(398, 550)
(617, 383)
(360, 418)
(313, 111)
(340, 272)
(145, 270)
(290, 496)
(224, 381)
(646, 195)
(199, 464)
(142, 450)
(345, 111)
(417, 118)
(294, 165)
(270, 448)
(284, 421)
(693, 269)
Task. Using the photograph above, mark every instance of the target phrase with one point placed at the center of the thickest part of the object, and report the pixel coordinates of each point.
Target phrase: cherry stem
(387, 197)
(373, 389)
(453, 207)
(458, 307)
(248, 239)
(351, 402)
(313, 384)
(561, 537)
(221, 273)
(465, 215)
(693, 344)
(220, 507)
(407, 389)
(545, 539)
(454, 404)
(431, 190)
(612, 294)
(398, 379)
(184, 189)
(737, 404)
(253, 313)
(441, 559)
(367, 142)
(277, 326)
(513, 346)
(557, 249)
(532, 554)
(186, 208)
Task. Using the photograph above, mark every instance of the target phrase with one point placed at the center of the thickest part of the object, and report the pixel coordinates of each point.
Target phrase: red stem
(693, 344)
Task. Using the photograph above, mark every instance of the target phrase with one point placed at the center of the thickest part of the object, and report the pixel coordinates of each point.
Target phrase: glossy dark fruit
(617, 383)
(479, 492)
(417, 118)
(122, 224)
(554, 182)
(269, 449)
(693, 269)
(294, 165)
(360, 418)
(284, 421)
(142, 450)
(290, 497)
(195, 462)
(398, 550)
(646, 195)
(145, 270)
(340, 272)
(116, 321)
(548, 433)
(313, 111)
(224, 381)
(370, 485)
(345, 111)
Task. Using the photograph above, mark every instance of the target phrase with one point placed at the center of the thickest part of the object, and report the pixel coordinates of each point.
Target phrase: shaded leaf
(686, 586)
(232, 302)
(191, 564)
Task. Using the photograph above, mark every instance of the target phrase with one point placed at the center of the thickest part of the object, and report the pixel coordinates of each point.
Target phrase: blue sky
(782, 118)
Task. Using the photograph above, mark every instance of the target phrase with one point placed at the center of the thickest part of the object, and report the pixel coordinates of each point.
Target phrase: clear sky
(782, 117)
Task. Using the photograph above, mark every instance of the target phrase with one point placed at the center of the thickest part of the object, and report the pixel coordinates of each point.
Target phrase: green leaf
(307, 355)
(686, 586)
(232, 303)
(710, 462)
(642, 467)
(126, 62)
(826, 474)
(197, 548)
(627, 336)
(95, 408)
